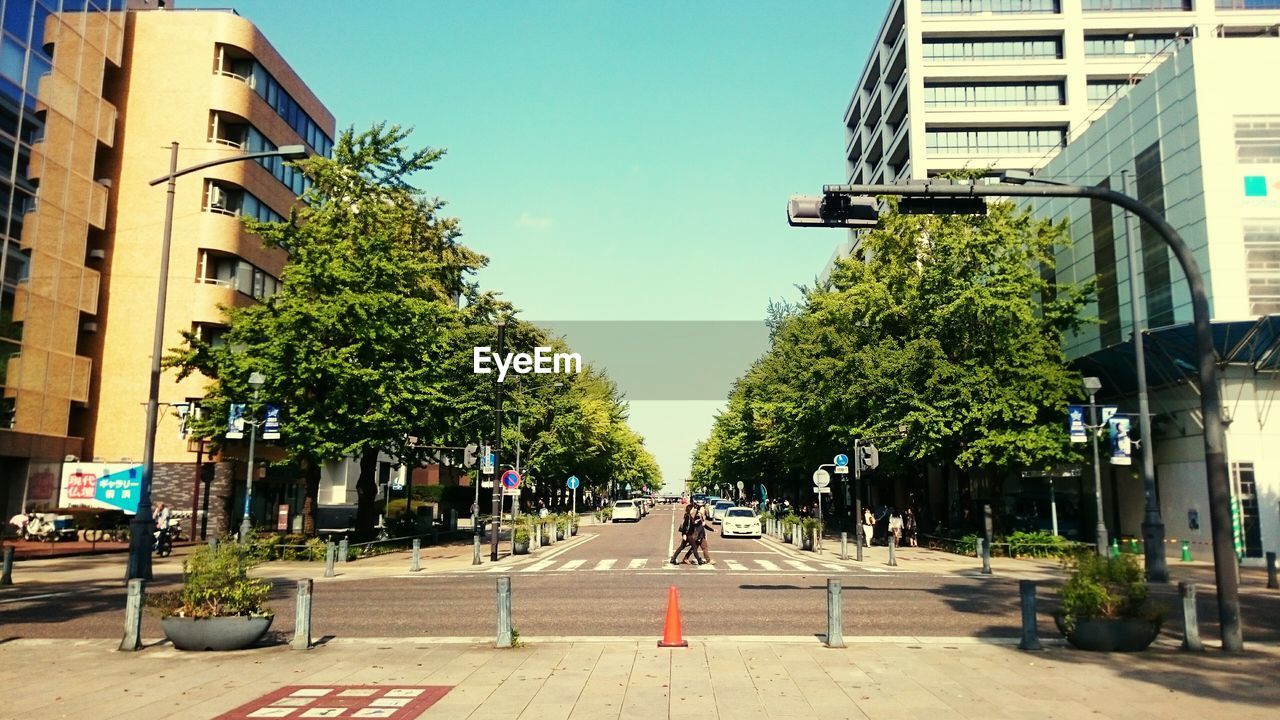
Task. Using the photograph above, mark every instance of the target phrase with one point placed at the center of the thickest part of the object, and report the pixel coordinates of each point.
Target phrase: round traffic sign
(572, 482)
(511, 479)
(842, 459)
(739, 484)
(821, 478)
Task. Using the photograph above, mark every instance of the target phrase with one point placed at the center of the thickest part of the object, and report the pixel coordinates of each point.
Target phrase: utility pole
(497, 449)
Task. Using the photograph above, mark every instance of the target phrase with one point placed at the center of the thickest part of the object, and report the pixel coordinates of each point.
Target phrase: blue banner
(1075, 423)
(1121, 446)
(271, 423)
(235, 421)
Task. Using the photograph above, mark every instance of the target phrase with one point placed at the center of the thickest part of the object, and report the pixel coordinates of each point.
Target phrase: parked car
(626, 510)
(740, 522)
(718, 510)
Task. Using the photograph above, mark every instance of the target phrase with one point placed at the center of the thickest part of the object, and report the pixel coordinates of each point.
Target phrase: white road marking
(571, 565)
(37, 597)
(832, 566)
(637, 563)
(734, 565)
(767, 565)
(800, 566)
(541, 565)
(605, 564)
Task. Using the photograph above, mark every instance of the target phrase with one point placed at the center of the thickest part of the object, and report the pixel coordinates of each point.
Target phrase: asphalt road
(613, 580)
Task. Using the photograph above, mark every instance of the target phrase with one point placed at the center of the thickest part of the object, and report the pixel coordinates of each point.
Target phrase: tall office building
(114, 84)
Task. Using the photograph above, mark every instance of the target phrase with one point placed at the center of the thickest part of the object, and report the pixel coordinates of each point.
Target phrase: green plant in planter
(522, 533)
(562, 521)
(1101, 587)
(215, 583)
(790, 520)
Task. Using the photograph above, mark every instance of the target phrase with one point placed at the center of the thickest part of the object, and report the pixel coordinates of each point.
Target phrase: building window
(1102, 91)
(1247, 4)
(1257, 139)
(1104, 267)
(993, 94)
(1262, 266)
(231, 271)
(227, 199)
(227, 129)
(1011, 140)
(1122, 45)
(976, 7)
(239, 64)
(1155, 253)
(213, 334)
(1003, 49)
(1101, 5)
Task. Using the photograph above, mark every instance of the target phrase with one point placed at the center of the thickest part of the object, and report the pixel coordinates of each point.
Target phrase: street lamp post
(256, 381)
(1092, 385)
(1219, 488)
(140, 528)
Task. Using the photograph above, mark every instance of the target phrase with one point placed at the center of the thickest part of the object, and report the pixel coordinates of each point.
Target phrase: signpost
(821, 479)
(572, 484)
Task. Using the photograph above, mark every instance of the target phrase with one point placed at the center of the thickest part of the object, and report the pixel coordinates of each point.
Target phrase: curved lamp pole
(140, 527)
(833, 210)
(256, 381)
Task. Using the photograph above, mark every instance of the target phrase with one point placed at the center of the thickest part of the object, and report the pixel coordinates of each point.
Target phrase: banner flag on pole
(271, 423)
(235, 421)
(1121, 447)
(1075, 423)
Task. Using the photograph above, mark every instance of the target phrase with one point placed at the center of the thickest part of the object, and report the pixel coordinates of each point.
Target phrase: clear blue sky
(616, 161)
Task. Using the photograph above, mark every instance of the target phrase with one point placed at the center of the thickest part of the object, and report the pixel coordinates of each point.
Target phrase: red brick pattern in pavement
(341, 701)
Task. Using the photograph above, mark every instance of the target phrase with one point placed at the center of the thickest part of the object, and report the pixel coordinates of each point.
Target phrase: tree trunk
(367, 493)
(311, 476)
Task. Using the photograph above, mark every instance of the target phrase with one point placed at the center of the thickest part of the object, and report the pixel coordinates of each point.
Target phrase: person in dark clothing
(697, 536)
(686, 530)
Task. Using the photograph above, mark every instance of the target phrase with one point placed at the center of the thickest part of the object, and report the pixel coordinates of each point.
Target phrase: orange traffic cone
(671, 635)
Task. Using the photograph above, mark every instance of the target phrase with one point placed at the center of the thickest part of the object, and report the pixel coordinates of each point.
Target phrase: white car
(740, 522)
(719, 509)
(626, 510)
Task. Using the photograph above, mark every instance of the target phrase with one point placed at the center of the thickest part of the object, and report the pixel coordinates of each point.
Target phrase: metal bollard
(1030, 638)
(1190, 621)
(302, 616)
(415, 564)
(537, 535)
(504, 611)
(844, 546)
(132, 639)
(213, 544)
(835, 616)
(893, 556)
(858, 541)
(1271, 570)
(6, 577)
(342, 550)
(475, 550)
(1186, 551)
(330, 554)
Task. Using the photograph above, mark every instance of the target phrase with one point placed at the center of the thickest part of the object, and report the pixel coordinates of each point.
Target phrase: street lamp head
(1092, 385)
(1016, 177)
(294, 152)
(257, 380)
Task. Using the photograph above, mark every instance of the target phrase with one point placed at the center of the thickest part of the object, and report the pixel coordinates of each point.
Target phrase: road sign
(511, 479)
(841, 459)
(740, 486)
(822, 490)
(486, 465)
(842, 469)
(572, 482)
(821, 478)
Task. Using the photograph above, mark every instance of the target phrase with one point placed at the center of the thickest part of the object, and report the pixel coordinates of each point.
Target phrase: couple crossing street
(693, 535)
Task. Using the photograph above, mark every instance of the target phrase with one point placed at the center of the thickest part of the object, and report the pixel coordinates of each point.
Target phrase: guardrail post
(330, 554)
(415, 564)
(835, 616)
(893, 553)
(343, 548)
(6, 577)
(475, 550)
(302, 616)
(1030, 638)
(132, 639)
(550, 533)
(537, 535)
(213, 544)
(844, 546)
(453, 520)
(858, 541)
(1271, 570)
(504, 611)
(1190, 621)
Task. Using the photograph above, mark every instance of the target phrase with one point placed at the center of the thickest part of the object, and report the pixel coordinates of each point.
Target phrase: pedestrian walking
(895, 527)
(696, 536)
(705, 515)
(868, 526)
(686, 533)
(909, 526)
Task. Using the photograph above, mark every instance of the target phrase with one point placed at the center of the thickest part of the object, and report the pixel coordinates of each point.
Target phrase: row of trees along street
(370, 340)
(940, 341)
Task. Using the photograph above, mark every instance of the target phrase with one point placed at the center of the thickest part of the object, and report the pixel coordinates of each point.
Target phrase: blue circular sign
(572, 482)
(511, 479)
(842, 459)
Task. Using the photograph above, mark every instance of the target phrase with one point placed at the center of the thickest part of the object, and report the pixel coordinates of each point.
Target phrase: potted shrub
(219, 606)
(1105, 606)
(790, 522)
(562, 526)
(573, 523)
(521, 534)
(810, 527)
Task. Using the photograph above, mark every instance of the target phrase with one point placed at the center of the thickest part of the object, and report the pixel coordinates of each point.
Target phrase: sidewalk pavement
(731, 678)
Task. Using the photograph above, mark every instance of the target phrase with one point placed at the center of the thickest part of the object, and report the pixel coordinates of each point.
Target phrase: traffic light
(868, 457)
(469, 455)
(846, 211)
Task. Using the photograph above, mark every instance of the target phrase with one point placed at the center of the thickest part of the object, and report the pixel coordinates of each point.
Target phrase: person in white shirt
(895, 527)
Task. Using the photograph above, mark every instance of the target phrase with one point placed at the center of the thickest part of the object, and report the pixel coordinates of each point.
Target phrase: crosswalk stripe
(605, 564)
(767, 565)
(637, 563)
(734, 565)
(542, 565)
(833, 566)
(800, 566)
(571, 565)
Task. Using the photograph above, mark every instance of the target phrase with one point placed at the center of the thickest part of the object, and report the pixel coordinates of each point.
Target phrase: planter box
(806, 539)
(219, 633)
(522, 548)
(1111, 634)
